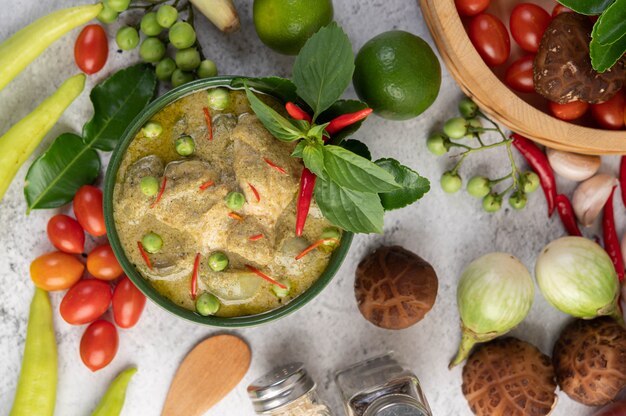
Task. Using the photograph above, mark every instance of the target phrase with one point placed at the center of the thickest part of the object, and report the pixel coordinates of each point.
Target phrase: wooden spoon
(208, 373)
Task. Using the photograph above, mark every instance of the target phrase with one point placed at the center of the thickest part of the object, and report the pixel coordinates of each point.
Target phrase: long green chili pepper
(37, 386)
(112, 402)
(23, 47)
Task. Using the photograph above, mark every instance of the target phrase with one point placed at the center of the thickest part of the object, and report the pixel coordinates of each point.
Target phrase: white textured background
(327, 334)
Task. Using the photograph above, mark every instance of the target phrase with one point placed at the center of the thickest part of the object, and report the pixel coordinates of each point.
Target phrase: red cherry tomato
(102, 264)
(128, 303)
(91, 49)
(519, 75)
(88, 210)
(471, 7)
(98, 345)
(570, 111)
(490, 38)
(56, 271)
(66, 234)
(85, 302)
(528, 22)
(610, 114)
(559, 8)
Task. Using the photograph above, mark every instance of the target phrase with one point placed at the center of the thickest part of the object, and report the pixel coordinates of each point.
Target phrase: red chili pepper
(255, 192)
(275, 166)
(209, 123)
(206, 185)
(144, 255)
(264, 276)
(235, 216)
(316, 245)
(307, 186)
(255, 237)
(345, 120)
(158, 198)
(539, 162)
(611, 241)
(622, 178)
(566, 212)
(296, 112)
(194, 276)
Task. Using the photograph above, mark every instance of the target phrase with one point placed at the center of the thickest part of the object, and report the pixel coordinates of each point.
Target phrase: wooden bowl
(520, 113)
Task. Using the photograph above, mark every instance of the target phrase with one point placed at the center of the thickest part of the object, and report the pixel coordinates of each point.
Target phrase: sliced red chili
(296, 112)
(622, 178)
(264, 276)
(194, 276)
(235, 216)
(158, 198)
(256, 237)
(206, 185)
(209, 122)
(339, 123)
(275, 166)
(316, 245)
(255, 192)
(307, 186)
(144, 255)
(566, 213)
(611, 241)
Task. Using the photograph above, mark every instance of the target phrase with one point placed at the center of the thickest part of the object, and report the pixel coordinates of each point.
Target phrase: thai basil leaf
(588, 7)
(318, 131)
(281, 88)
(343, 107)
(323, 69)
(603, 57)
(355, 172)
(611, 26)
(359, 212)
(414, 186)
(299, 150)
(116, 102)
(358, 148)
(280, 127)
(55, 176)
(313, 158)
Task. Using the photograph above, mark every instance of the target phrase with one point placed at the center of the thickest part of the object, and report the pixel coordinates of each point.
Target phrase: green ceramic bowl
(143, 285)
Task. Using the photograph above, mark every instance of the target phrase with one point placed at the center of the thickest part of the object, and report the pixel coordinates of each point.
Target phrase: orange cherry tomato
(519, 75)
(98, 345)
(102, 264)
(490, 38)
(570, 111)
(88, 210)
(56, 271)
(66, 234)
(610, 114)
(85, 302)
(559, 8)
(128, 303)
(91, 49)
(471, 7)
(528, 22)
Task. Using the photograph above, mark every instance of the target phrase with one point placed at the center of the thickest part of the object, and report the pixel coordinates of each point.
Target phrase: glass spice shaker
(287, 391)
(380, 386)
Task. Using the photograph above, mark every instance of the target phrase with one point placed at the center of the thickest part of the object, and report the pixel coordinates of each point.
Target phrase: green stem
(463, 146)
(467, 343)
(514, 170)
(497, 181)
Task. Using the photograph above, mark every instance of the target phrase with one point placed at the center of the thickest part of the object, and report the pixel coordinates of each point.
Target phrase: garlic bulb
(590, 197)
(573, 166)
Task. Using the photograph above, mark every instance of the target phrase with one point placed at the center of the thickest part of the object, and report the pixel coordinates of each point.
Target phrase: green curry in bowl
(204, 208)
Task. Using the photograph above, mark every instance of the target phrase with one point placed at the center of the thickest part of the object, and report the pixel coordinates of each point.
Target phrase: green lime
(285, 25)
(397, 74)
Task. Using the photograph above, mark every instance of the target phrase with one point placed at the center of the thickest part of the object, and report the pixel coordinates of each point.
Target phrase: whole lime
(285, 25)
(397, 74)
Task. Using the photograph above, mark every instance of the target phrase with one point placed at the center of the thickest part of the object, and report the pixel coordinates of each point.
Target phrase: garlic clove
(573, 166)
(590, 197)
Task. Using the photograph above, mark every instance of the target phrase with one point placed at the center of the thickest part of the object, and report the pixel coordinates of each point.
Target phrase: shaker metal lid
(281, 386)
(396, 405)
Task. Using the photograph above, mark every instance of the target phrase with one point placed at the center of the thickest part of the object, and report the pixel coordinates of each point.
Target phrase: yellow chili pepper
(113, 400)
(17, 144)
(23, 47)
(36, 389)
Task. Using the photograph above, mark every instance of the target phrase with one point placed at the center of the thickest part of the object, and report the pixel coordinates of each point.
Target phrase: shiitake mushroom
(509, 377)
(395, 288)
(562, 67)
(590, 360)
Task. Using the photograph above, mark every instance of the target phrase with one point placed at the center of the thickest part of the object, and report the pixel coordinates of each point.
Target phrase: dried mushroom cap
(590, 360)
(395, 288)
(562, 69)
(509, 377)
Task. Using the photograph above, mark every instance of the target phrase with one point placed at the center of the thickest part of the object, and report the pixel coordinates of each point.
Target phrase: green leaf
(281, 88)
(611, 26)
(603, 57)
(358, 148)
(414, 186)
(323, 69)
(359, 212)
(116, 102)
(280, 127)
(588, 7)
(318, 132)
(313, 158)
(355, 172)
(342, 107)
(55, 176)
(299, 150)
